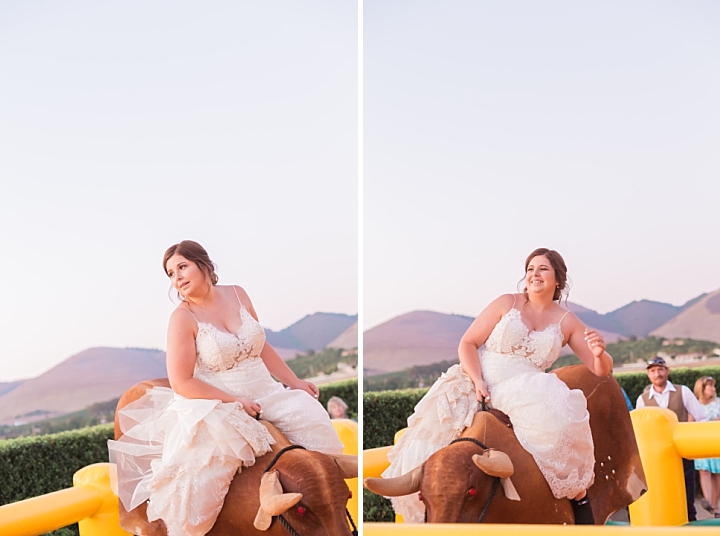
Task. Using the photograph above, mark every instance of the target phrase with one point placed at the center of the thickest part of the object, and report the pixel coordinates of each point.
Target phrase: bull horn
(273, 501)
(396, 486)
(347, 464)
(497, 463)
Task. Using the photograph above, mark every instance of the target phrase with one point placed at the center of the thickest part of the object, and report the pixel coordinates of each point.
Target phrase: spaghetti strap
(563, 318)
(514, 300)
(236, 294)
(189, 311)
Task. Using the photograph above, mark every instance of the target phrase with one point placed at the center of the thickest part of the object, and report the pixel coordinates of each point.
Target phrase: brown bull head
(308, 489)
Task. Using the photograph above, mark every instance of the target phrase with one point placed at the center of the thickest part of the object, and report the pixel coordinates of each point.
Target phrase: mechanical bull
(459, 483)
(287, 492)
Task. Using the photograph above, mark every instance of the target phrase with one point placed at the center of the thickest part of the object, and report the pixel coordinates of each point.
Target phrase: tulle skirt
(182, 454)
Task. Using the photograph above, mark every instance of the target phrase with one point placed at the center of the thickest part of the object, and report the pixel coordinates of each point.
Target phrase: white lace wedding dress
(550, 421)
(181, 454)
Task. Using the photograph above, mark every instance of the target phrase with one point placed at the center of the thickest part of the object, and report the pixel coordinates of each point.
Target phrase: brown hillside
(347, 340)
(94, 375)
(699, 321)
(416, 338)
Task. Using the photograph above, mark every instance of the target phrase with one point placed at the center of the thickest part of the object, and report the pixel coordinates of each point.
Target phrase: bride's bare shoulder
(181, 317)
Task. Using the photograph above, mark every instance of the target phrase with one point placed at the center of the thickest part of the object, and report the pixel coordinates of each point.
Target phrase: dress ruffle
(182, 454)
(442, 414)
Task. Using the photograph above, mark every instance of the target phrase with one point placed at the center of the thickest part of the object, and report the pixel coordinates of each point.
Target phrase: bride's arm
(181, 355)
(589, 346)
(475, 337)
(274, 362)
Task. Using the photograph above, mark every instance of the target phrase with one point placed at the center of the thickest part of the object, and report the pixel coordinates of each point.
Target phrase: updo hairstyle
(193, 252)
(558, 264)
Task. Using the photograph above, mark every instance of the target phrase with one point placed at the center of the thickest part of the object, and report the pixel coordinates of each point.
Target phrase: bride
(181, 447)
(518, 336)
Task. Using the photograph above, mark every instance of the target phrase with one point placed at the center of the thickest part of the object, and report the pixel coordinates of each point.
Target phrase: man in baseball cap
(662, 393)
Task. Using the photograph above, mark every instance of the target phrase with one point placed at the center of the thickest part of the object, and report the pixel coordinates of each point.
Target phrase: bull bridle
(284, 522)
(496, 480)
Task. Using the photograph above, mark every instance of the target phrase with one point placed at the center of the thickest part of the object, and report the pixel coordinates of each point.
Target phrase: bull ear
(494, 463)
(273, 501)
(497, 463)
(397, 486)
(347, 464)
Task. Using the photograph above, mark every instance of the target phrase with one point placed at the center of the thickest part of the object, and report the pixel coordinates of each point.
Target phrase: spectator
(709, 467)
(337, 408)
(664, 394)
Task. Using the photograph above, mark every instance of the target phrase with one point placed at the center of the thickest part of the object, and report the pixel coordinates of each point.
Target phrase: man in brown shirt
(662, 393)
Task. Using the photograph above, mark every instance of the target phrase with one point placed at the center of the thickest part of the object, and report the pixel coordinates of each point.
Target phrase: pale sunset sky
(494, 128)
(129, 126)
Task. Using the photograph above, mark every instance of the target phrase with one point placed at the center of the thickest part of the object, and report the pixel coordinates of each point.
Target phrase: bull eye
(300, 510)
(419, 496)
(351, 494)
(472, 492)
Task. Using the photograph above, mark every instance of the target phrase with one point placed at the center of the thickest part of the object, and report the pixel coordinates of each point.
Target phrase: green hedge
(386, 412)
(32, 466)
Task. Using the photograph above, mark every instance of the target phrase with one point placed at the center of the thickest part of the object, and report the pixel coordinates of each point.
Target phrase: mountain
(347, 340)
(312, 332)
(415, 338)
(93, 375)
(637, 318)
(6, 387)
(701, 320)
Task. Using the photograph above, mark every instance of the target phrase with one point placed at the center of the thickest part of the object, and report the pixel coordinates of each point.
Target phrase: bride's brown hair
(558, 264)
(193, 252)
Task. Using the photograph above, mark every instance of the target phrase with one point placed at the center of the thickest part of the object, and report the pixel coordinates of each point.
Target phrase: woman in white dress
(519, 336)
(181, 447)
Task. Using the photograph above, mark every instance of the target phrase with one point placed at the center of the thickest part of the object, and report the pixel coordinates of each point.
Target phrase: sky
(494, 128)
(126, 127)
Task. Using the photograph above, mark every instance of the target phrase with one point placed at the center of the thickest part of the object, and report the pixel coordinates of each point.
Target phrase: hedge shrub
(32, 466)
(386, 412)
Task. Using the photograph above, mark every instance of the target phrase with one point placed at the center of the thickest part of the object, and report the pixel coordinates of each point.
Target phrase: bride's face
(540, 275)
(185, 275)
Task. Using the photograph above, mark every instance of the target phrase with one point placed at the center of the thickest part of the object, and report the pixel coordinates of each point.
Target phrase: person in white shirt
(662, 393)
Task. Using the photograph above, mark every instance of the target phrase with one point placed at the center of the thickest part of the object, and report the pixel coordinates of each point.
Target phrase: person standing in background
(709, 467)
(662, 393)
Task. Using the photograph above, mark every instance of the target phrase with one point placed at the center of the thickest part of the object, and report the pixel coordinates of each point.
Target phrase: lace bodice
(511, 336)
(219, 350)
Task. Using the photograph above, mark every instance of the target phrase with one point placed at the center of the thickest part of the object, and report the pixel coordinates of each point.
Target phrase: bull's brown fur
(450, 473)
(313, 474)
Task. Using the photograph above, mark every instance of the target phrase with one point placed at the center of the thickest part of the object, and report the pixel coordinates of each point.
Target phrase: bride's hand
(595, 342)
(308, 387)
(251, 407)
(481, 390)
